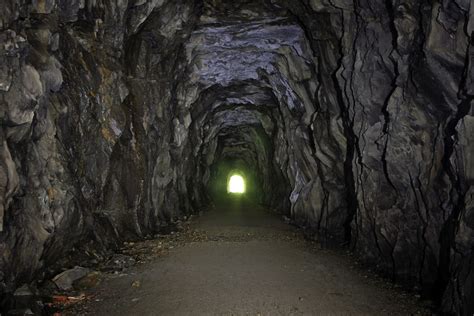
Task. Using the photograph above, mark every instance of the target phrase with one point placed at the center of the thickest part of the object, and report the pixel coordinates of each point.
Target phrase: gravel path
(242, 260)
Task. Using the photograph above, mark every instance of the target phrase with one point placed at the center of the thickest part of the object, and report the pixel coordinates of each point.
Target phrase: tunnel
(350, 123)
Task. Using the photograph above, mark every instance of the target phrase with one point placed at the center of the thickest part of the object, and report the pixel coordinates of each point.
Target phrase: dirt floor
(240, 259)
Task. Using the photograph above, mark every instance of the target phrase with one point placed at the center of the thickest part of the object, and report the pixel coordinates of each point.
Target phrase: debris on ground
(59, 303)
(67, 300)
(118, 262)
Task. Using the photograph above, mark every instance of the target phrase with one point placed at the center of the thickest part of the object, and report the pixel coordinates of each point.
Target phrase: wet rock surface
(353, 119)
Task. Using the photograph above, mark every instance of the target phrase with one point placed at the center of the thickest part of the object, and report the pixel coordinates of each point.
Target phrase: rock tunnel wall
(354, 116)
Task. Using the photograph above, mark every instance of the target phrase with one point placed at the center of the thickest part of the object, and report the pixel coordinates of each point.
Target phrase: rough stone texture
(354, 118)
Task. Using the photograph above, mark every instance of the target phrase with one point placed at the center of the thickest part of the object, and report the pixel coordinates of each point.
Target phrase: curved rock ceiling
(353, 118)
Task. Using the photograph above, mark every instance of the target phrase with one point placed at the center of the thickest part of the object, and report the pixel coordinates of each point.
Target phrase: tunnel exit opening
(236, 184)
(222, 185)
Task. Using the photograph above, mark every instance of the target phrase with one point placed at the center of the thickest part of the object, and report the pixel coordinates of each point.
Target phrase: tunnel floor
(250, 263)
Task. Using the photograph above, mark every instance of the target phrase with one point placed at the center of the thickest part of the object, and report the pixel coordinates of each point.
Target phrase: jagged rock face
(353, 118)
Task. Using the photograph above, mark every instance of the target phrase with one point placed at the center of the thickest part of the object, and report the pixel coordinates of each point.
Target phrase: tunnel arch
(105, 108)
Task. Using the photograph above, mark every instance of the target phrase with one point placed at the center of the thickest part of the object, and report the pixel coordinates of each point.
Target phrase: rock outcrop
(354, 118)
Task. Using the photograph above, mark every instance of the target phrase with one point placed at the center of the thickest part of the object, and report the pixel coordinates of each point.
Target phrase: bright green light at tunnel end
(236, 184)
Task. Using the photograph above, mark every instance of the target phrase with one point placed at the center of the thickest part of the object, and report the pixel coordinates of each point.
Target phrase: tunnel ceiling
(353, 118)
(236, 64)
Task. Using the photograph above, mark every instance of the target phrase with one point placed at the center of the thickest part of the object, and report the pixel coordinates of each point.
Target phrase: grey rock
(21, 312)
(65, 279)
(23, 291)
